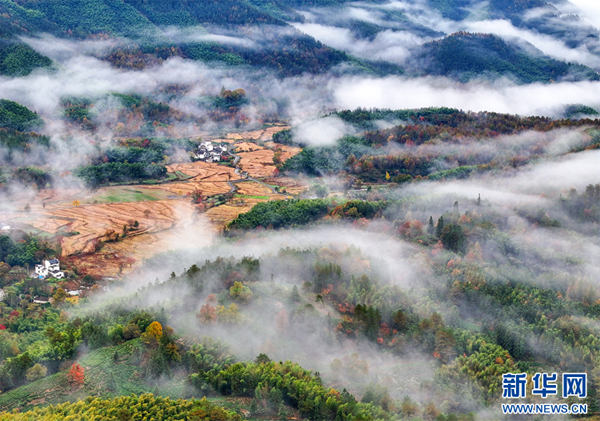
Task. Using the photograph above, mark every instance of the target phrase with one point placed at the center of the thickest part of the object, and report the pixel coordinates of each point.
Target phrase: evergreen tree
(453, 238)
(430, 227)
(439, 227)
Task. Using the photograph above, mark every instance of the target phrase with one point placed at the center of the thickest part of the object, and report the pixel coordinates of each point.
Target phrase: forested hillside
(430, 137)
(322, 210)
(465, 56)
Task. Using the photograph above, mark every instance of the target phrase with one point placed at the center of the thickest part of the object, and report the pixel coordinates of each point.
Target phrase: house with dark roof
(49, 269)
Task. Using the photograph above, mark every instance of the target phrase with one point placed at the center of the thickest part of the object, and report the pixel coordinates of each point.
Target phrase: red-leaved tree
(76, 376)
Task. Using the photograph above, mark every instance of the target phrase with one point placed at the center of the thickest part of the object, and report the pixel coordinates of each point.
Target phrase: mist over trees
(301, 209)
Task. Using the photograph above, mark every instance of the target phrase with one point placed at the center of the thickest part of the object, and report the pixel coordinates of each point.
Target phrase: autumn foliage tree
(153, 334)
(208, 314)
(76, 376)
(240, 292)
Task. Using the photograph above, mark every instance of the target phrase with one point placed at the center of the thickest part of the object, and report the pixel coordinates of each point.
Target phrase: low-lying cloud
(502, 96)
(322, 132)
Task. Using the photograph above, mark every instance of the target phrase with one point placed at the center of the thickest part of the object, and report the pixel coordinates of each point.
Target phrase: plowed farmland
(97, 229)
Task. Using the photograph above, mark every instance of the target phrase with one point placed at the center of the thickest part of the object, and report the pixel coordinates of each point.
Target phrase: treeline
(320, 160)
(276, 384)
(291, 53)
(465, 56)
(92, 17)
(17, 117)
(144, 407)
(18, 59)
(291, 213)
(26, 252)
(366, 118)
(34, 334)
(212, 370)
(18, 20)
(455, 153)
(453, 124)
(119, 172)
(586, 206)
(131, 155)
(222, 13)
(367, 309)
(34, 177)
(281, 213)
(23, 142)
(139, 114)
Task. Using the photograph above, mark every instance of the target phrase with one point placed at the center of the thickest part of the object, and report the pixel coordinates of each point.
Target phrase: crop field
(247, 147)
(248, 194)
(286, 151)
(125, 194)
(252, 188)
(210, 179)
(291, 185)
(258, 163)
(190, 229)
(259, 135)
(164, 211)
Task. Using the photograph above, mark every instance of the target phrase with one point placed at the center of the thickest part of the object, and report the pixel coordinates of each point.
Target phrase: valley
(320, 210)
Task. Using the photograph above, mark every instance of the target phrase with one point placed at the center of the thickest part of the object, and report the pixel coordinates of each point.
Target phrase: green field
(248, 196)
(124, 194)
(104, 376)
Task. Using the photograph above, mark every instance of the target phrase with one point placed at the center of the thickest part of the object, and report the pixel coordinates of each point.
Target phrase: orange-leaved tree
(76, 375)
(153, 334)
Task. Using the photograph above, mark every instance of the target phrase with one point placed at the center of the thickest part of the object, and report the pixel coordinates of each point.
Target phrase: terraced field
(166, 218)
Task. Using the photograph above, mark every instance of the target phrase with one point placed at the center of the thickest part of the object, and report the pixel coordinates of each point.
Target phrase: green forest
(298, 210)
(465, 56)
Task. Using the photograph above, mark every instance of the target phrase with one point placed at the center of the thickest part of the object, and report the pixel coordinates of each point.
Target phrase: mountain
(465, 56)
(19, 59)
(17, 117)
(269, 40)
(257, 34)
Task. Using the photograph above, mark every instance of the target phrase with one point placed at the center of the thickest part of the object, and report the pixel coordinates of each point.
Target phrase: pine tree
(439, 227)
(295, 296)
(430, 227)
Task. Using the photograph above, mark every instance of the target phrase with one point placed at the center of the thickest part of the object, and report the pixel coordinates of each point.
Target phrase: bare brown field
(251, 188)
(260, 135)
(203, 170)
(164, 221)
(94, 222)
(115, 258)
(258, 163)
(221, 215)
(291, 185)
(211, 179)
(286, 151)
(247, 147)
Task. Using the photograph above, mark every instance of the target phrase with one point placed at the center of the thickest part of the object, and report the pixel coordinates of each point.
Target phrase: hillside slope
(465, 56)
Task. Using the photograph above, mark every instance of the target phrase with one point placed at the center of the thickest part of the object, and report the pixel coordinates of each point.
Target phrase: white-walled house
(208, 152)
(49, 269)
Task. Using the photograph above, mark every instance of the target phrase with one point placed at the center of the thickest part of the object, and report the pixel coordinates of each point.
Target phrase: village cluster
(49, 269)
(208, 152)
